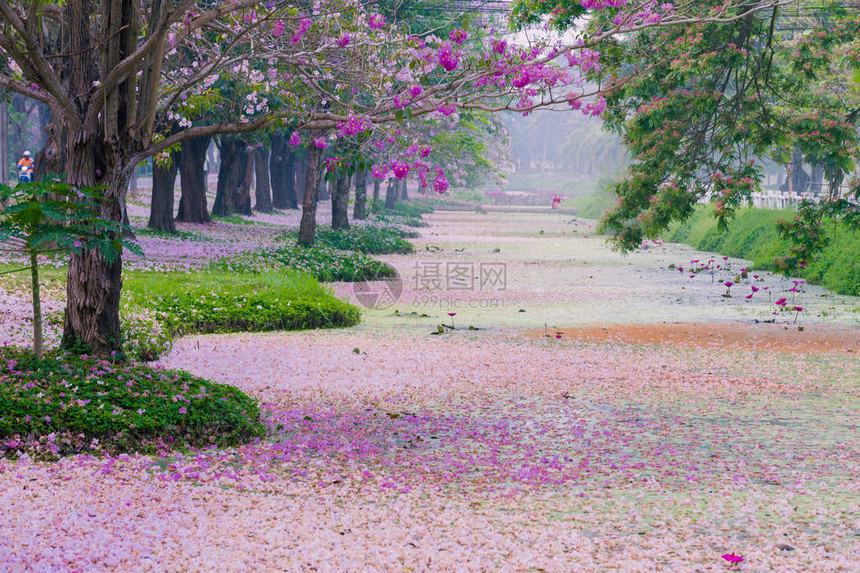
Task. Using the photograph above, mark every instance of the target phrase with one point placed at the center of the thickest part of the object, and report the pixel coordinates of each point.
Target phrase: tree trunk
(404, 193)
(193, 206)
(262, 187)
(325, 192)
(340, 203)
(391, 194)
(282, 167)
(93, 284)
(37, 306)
(301, 178)
(161, 206)
(234, 191)
(359, 211)
(377, 186)
(307, 228)
(816, 184)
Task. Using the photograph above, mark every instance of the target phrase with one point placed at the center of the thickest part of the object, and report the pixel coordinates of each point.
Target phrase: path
(499, 449)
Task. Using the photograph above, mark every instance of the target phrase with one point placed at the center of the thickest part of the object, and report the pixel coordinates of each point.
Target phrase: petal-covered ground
(540, 441)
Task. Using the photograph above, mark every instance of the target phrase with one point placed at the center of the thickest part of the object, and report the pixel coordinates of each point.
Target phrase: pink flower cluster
(448, 58)
(304, 26)
(353, 126)
(376, 21)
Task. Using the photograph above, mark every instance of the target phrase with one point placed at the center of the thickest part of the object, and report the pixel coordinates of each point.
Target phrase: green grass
(368, 239)
(205, 302)
(752, 235)
(593, 206)
(68, 404)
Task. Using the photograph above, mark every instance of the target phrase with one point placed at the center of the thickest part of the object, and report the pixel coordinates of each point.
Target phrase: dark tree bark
(391, 194)
(98, 157)
(282, 167)
(52, 157)
(262, 187)
(377, 186)
(359, 211)
(403, 195)
(325, 191)
(161, 206)
(301, 178)
(308, 226)
(193, 206)
(340, 203)
(234, 190)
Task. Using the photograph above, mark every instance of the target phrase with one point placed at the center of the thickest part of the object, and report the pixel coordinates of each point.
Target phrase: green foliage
(754, 235)
(368, 239)
(144, 336)
(204, 302)
(323, 263)
(66, 404)
(49, 216)
(717, 96)
(408, 214)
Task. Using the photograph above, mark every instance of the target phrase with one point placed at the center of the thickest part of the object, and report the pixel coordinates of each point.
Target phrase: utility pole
(4, 142)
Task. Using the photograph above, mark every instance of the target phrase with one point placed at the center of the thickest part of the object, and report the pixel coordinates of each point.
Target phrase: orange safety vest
(28, 163)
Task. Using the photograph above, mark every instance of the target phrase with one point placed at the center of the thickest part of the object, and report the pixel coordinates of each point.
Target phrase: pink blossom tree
(126, 81)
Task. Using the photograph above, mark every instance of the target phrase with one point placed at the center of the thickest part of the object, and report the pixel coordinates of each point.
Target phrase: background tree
(116, 75)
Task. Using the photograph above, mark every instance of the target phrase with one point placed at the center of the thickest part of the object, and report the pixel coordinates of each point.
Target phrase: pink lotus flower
(732, 558)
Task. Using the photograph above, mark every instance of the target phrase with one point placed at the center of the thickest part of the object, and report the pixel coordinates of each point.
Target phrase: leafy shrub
(323, 263)
(66, 404)
(368, 239)
(144, 335)
(203, 302)
(408, 214)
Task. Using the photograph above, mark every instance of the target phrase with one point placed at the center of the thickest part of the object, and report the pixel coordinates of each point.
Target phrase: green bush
(752, 235)
(204, 302)
(323, 263)
(67, 404)
(368, 239)
(408, 214)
